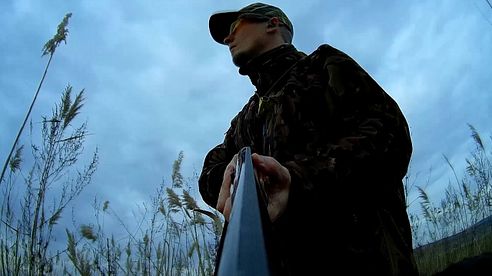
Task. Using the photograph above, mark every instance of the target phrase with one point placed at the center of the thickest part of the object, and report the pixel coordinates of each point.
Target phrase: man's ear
(273, 22)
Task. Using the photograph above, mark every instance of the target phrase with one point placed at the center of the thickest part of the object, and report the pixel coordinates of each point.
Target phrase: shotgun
(245, 246)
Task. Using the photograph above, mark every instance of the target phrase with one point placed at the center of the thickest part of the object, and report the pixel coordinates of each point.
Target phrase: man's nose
(228, 39)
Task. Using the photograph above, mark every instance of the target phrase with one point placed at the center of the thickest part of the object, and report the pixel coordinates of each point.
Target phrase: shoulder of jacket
(327, 54)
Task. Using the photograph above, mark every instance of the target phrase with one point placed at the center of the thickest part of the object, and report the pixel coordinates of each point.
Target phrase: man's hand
(276, 181)
(274, 178)
(224, 201)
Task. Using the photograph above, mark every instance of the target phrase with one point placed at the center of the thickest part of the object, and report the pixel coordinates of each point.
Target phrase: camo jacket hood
(347, 146)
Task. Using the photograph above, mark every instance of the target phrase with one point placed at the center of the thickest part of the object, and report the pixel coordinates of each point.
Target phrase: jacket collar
(268, 67)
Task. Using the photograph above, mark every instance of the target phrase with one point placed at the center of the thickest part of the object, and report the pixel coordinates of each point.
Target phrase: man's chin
(240, 59)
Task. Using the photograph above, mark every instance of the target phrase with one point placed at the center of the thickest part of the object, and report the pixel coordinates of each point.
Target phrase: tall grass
(466, 201)
(35, 195)
(34, 199)
(48, 49)
(172, 236)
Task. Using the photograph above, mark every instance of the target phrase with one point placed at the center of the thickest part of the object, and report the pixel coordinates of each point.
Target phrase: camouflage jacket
(347, 146)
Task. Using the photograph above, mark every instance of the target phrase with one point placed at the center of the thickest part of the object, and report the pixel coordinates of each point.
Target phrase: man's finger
(227, 209)
(225, 188)
(264, 164)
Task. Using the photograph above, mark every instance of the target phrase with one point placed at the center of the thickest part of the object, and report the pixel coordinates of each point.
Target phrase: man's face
(246, 40)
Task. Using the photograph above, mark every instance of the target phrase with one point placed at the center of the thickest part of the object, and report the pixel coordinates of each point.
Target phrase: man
(330, 146)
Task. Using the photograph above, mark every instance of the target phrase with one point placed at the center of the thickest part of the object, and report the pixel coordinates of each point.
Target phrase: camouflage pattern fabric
(347, 146)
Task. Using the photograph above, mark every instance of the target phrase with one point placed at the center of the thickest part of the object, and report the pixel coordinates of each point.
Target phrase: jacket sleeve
(214, 166)
(211, 177)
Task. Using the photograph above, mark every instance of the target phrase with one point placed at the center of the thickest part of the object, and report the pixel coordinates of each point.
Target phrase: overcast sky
(156, 83)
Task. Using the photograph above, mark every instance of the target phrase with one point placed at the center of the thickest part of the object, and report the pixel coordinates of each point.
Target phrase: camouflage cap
(220, 23)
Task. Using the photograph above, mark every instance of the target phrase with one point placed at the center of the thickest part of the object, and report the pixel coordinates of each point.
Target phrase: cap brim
(220, 24)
